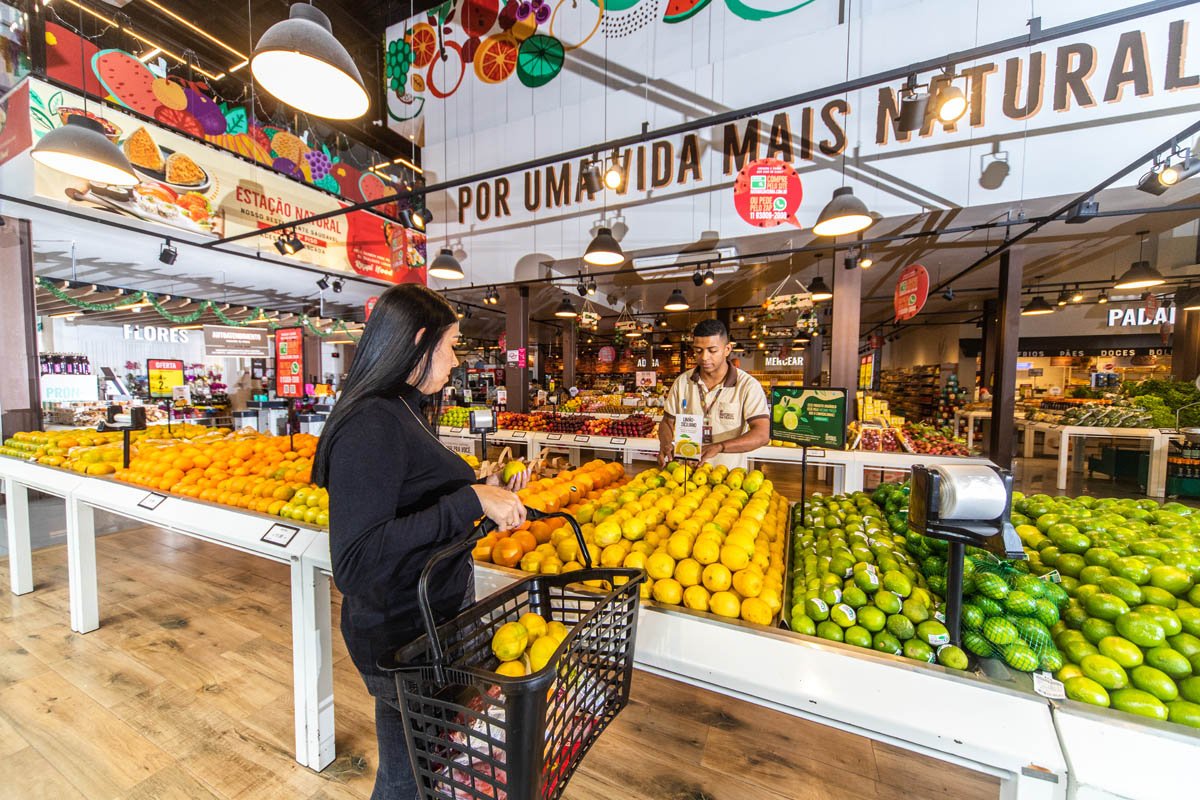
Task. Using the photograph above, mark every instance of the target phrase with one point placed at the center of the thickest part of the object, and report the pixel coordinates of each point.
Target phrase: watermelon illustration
(679, 10)
(129, 81)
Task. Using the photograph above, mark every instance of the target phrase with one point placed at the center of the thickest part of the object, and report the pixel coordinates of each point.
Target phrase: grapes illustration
(399, 62)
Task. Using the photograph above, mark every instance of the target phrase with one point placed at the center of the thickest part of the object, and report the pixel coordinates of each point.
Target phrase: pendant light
(565, 310)
(1037, 307)
(1140, 275)
(446, 266)
(299, 61)
(604, 251)
(676, 302)
(81, 150)
(844, 214)
(819, 291)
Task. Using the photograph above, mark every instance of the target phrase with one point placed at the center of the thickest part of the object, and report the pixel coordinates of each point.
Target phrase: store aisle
(185, 691)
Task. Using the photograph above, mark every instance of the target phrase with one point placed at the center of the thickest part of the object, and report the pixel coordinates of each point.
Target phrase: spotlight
(421, 218)
(167, 254)
(592, 181)
(913, 102)
(1063, 298)
(662, 322)
(288, 243)
(948, 295)
(762, 345)
(459, 312)
(865, 261)
(323, 283)
(1103, 298)
(1150, 183)
(1077, 295)
(741, 317)
(337, 285)
(1179, 171)
(581, 287)
(614, 176)
(697, 278)
(951, 103)
(709, 278)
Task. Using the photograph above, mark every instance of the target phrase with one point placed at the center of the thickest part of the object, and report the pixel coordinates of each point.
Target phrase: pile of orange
(539, 546)
(267, 474)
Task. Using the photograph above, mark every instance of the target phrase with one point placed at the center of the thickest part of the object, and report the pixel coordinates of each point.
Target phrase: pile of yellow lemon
(526, 646)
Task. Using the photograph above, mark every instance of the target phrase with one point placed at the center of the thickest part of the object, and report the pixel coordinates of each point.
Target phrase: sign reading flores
(1134, 317)
(1040, 85)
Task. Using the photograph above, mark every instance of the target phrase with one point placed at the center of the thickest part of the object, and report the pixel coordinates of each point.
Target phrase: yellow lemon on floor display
(706, 550)
(659, 566)
(646, 589)
(533, 624)
(687, 572)
(612, 556)
(696, 598)
(753, 610)
(635, 560)
(724, 604)
(510, 641)
(606, 533)
(679, 546)
(512, 669)
(668, 591)
(540, 652)
(633, 529)
(556, 631)
(747, 583)
(716, 578)
(734, 557)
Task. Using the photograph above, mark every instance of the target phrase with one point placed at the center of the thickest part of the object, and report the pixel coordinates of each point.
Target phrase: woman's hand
(501, 506)
(515, 484)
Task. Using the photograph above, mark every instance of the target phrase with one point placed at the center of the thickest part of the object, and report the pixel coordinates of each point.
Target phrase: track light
(566, 310)
(581, 287)
(857, 258)
(614, 176)
(662, 322)
(592, 180)
(913, 102)
(591, 287)
(951, 103)
(1037, 307)
(459, 312)
(337, 285)
(1103, 298)
(288, 243)
(948, 295)
(167, 254)
(1179, 171)
(323, 282)
(697, 278)
(709, 278)
(676, 302)
(1063, 298)
(1077, 295)
(421, 218)
(1150, 184)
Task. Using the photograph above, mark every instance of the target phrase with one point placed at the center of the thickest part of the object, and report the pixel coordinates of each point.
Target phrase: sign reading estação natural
(809, 416)
(912, 290)
(289, 362)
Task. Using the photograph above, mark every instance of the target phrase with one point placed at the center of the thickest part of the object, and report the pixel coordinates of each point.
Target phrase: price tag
(518, 434)
(456, 430)
(617, 440)
(151, 501)
(1048, 686)
(583, 438)
(940, 617)
(553, 437)
(816, 453)
(1167, 430)
(1052, 576)
(281, 535)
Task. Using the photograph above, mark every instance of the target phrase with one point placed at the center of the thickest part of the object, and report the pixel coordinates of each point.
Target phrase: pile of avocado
(853, 582)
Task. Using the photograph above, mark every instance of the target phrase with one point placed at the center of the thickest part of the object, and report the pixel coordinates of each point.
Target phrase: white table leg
(1064, 444)
(853, 481)
(81, 566)
(839, 479)
(1030, 435)
(970, 432)
(20, 552)
(312, 663)
(1156, 479)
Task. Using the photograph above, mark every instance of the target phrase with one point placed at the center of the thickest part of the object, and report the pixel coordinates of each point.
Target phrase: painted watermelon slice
(680, 10)
(128, 80)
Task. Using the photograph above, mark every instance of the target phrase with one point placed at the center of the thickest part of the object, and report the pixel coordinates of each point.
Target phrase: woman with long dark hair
(396, 496)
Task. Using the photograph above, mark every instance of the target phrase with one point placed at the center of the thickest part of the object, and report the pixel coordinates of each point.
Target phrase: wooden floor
(185, 692)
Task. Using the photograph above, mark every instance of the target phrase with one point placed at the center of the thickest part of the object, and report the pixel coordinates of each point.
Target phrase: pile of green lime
(853, 582)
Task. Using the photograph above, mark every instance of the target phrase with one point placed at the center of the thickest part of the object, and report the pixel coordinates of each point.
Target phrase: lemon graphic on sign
(790, 420)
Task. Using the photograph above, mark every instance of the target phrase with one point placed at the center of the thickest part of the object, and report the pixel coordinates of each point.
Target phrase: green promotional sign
(812, 417)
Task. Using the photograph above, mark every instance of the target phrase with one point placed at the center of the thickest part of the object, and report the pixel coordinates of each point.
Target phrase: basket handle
(483, 528)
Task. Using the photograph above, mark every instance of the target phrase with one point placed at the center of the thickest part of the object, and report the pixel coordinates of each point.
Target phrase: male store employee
(736, 417)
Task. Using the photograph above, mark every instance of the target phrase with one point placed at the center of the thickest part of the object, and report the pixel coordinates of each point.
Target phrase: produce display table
(1156, 481)
(18, 477)
(970, 417)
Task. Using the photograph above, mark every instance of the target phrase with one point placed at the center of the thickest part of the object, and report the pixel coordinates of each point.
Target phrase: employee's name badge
(689, 435)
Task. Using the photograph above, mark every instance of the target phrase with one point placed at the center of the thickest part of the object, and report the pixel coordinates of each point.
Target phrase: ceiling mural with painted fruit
(430, 56)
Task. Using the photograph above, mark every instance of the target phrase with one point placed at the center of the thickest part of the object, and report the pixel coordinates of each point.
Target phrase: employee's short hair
(710, 327)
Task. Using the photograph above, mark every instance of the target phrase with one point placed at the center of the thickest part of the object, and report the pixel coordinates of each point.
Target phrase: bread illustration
(142, 152)
(183, 171)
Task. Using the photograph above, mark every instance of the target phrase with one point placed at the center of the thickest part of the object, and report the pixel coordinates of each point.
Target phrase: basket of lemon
(504, 700)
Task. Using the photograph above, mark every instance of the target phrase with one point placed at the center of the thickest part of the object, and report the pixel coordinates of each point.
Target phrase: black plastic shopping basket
(475, 734)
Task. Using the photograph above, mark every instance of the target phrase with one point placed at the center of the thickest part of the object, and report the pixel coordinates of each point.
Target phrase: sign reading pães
(1134, 317)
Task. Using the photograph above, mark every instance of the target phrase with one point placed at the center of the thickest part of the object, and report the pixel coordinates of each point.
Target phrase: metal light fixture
(1103, 298)
(459, 312)
(710, 278)
(167, 254)
(337, 285)
(592, 180)
(1150, 183)
(446, 266)
(591, 287)
(1140, 275)
(951, 103)
(1063, 298)
(323, 282)
(80, 149)
(948, 295)
(1037, 307)
(1077, 295)
(819, 291)
(844, 214)
(604, 251)
(697, 278)
(300, 62)
(421, 218)
(614, 176)
(288, 243)
(913, 102)
(662, 322)
(1179, 171)
(581, 287)
(741, 317)
(676, 302)
(566, 310)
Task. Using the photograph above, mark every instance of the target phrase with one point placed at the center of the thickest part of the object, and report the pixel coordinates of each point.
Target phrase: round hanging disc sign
(767, 192)
(912, 290)
(607, 355)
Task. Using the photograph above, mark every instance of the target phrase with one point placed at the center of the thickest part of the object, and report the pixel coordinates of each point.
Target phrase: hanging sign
(233, 342)
(607, 354)
(912, 290)
(767, 193)
(371, 301)
(289, 362)
(164, 375)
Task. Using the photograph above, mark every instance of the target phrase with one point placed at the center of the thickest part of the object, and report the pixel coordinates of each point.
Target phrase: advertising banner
(164, 375)
(202, 190)
(16, 135)
(912, 290)
(233, 342)
(813, 417)
(289, 362)
(767, 192)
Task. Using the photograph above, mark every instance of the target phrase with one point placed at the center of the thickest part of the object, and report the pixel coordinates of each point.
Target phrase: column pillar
(570, 350)
(1185, 345)
(516, 334)
(843, 357)
(20, 390)
(813, 355)
(1008, 333)
(987, 359)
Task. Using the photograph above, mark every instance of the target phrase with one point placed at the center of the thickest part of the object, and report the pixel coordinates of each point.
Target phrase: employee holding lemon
(732, 405)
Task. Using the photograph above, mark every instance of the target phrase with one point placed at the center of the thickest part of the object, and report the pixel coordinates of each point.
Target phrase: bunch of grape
(399, 61)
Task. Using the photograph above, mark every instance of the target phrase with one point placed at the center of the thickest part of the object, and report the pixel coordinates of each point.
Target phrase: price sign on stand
(281, 535)
(151, 501)
(164, 375)
(289, 362)
(809, 416)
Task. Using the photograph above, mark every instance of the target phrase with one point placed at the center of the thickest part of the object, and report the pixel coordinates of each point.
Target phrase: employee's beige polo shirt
(731, 406)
